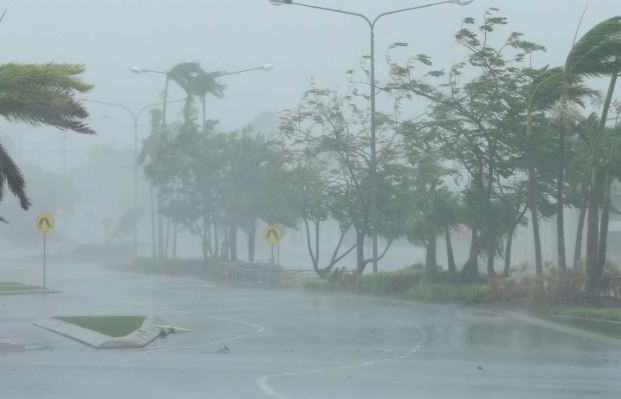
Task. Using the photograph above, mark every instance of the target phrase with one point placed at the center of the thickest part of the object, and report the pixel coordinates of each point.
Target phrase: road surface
(286, 344)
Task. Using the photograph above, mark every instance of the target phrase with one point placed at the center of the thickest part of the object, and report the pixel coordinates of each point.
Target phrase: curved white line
(263, 385)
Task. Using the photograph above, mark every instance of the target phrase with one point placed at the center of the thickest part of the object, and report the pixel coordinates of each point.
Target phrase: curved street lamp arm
(126, 108)
(238, 72)
(410, 9)
(355, 14)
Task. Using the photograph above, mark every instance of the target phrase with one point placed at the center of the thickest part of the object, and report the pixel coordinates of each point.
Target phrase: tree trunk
(470, 271)
(167, 238)
(598, 188)
(491, 256)
(174, 240)
(580, 232)
(216, 240)
(431, 263)
(507, 270)
(560, 203)
(537, 241)
(233, 242)
(206, 242)
(252, 240)
(360, 264)
(603, 231)
(449, 252)
(160, 233)
(153, 229)
(532, 205)
(593, 236)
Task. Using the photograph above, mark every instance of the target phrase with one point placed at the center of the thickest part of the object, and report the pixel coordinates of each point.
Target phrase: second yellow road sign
(273, 233)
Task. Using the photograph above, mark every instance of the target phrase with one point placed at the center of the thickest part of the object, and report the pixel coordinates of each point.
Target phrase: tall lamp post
(373, 163)
(135, 115)
(139, 70)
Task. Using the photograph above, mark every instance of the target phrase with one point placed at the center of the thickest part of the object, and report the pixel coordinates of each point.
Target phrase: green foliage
(598, 52)
(388, 282)
(452, 293)
(39, 95)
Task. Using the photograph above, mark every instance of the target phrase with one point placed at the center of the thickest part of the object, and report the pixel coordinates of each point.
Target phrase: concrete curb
(140, 338)
(6, 346)
(610, 326)
(563, 328)
(32, 291)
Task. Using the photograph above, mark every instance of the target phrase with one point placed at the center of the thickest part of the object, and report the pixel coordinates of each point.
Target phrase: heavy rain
(310, 199)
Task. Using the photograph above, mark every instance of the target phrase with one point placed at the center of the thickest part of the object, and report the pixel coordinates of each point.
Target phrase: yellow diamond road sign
(273, 234)
(45, 222)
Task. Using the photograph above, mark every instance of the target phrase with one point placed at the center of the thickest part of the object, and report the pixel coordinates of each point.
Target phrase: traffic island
(15, 288)
(106, 332)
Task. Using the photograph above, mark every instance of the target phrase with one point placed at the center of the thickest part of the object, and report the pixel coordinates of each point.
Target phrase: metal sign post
(44, 260)
(45, 224)
(273, 234)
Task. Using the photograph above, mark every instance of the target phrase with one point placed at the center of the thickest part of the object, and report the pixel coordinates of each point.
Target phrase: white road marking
(263, 382)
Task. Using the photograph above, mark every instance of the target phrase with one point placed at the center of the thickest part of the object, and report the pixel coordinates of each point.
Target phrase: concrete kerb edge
(563, 328)
(140, 338)
(33, 291)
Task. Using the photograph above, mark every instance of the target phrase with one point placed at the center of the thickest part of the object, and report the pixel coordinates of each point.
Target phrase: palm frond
(598, 52)
(43, 94)
(12, 176)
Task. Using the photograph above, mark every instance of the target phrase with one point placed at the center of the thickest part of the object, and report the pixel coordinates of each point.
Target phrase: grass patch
(611, 314)
(14, 286)
(113, 326)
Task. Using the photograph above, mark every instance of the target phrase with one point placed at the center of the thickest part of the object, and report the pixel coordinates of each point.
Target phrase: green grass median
(14, 286)
(113, 326)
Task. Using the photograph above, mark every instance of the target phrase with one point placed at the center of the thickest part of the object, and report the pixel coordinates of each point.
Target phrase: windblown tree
(39, 95)
(333, 130)
(598, 54)
(480, 118)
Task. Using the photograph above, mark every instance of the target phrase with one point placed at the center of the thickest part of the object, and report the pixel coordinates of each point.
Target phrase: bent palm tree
(598, 53)
(38, 95)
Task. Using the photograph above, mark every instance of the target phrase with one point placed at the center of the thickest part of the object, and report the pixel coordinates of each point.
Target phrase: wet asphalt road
(286, 344)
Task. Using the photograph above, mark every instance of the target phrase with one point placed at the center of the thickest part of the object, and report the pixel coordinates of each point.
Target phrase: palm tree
(196, 83)
(598, 53)
(38, 95)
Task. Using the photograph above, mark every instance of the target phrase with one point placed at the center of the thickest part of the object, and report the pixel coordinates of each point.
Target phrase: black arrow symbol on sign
(273, 232)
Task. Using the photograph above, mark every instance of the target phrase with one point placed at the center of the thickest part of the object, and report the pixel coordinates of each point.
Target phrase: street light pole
(138, 70)
(135, 115)
(373, 87)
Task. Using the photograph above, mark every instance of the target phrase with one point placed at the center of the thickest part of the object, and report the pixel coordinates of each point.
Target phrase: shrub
(611, 281)
(507, 288)
(563, 287)
(476, 293)
(388, 282)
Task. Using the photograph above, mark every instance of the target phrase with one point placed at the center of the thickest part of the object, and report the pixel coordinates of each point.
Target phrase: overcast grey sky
(109, 36)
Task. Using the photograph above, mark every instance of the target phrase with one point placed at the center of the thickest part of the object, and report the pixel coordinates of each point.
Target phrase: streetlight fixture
(139, 70)
(373, 164)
